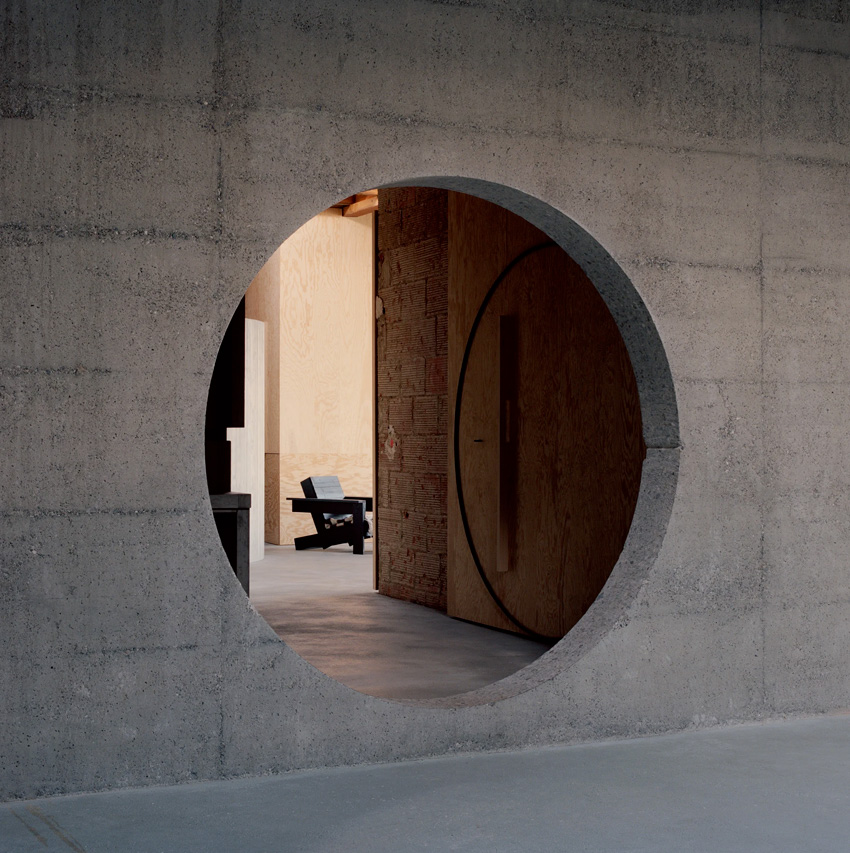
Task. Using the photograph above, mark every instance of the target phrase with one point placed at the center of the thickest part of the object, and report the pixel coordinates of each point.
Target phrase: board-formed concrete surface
(153, 155)
(761, 788)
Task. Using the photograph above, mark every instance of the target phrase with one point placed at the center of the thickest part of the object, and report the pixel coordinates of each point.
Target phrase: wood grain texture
(362, 206)
(478, 252)
(272, 498)
(578, 445)
(506, 536)
(355, 477)
(317, 293)
(412, 415)
(326, 337)
(262, 302)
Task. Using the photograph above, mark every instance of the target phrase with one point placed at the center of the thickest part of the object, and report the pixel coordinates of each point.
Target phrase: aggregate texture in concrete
(779, 787)
(693, 156)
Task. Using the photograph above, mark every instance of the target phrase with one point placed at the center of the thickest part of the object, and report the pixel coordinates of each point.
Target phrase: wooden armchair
(338, 518)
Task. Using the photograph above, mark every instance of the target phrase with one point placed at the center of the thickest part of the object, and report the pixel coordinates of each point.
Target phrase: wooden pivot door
(548, 436)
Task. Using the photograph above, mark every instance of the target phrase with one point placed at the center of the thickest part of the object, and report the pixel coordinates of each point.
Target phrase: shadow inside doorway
(322, 604)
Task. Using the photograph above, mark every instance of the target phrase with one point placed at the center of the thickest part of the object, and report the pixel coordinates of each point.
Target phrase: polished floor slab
(781, 787)
(322, 604)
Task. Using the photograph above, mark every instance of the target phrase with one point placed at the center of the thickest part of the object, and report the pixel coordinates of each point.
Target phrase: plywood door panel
(508, 463)
(577, 451)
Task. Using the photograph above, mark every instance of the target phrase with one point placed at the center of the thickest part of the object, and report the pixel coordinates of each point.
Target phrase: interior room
(443, 363)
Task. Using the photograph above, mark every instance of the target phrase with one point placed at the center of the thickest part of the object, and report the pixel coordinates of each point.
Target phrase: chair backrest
(322, 487)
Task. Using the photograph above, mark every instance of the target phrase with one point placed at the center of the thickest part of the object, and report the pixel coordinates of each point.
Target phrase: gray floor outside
(780, 786)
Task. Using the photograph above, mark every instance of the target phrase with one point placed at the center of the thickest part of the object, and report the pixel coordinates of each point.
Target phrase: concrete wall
(152, 158)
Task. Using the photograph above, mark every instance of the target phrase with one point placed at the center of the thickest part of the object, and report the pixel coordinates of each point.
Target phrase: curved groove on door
(457, 456)
(548, 440)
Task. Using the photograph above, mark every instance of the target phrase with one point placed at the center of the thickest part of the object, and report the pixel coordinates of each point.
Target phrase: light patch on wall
(391, 444)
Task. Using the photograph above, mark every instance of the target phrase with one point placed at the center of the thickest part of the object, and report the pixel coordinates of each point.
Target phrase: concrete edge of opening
(660, 428)
(660, 471)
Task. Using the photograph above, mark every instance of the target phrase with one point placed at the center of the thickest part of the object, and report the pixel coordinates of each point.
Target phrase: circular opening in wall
(426, 435)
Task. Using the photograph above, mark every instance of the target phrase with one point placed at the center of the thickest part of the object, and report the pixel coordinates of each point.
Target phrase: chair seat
(338, 518)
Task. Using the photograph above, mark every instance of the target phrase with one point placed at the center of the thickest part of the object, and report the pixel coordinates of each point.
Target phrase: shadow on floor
(322, 604)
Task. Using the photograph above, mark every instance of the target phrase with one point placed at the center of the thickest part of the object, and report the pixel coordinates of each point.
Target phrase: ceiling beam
(361, 207)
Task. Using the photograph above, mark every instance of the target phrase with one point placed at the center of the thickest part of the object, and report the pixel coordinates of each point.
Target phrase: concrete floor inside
(780, 787)
(322, 604)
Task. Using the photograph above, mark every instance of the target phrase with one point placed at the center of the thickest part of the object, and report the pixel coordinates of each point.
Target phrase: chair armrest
(368, 501)
(231, 500)
(332, 506)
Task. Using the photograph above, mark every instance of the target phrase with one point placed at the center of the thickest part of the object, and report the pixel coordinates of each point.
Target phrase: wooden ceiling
(359, 204)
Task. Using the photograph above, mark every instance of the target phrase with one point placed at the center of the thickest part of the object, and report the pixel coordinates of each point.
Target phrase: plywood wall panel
(326, 336)
(477, 253)
(355, 477)
(317, 291)
(262, 302)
